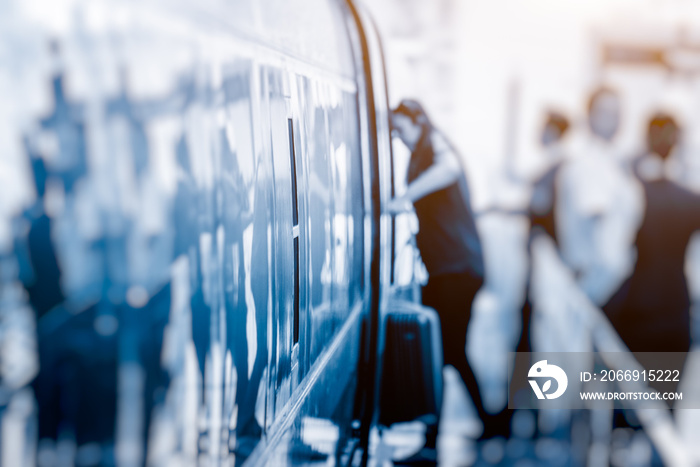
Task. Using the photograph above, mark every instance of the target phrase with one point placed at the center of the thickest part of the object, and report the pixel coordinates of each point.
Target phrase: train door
(283, 327)
(331, 215)
(299, 186)
(319, 207)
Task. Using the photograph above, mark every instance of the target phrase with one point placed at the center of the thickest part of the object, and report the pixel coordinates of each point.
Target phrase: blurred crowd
(609, 266)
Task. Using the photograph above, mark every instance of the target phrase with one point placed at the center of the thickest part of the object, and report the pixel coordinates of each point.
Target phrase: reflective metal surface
(183, 231)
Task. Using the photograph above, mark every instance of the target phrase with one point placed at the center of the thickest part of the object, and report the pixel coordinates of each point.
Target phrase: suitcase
(411, 378)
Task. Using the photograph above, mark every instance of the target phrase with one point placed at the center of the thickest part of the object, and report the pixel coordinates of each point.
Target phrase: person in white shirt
(600, 206)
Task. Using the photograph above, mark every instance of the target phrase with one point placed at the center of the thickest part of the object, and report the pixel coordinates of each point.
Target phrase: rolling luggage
(411, 381)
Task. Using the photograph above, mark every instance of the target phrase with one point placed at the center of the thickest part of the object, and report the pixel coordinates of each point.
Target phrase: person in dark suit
(651, 310)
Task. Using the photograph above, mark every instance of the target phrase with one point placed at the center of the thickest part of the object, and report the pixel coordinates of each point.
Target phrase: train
(194, 254)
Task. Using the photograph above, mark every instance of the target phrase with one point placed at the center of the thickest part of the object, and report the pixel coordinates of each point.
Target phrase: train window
(295, 226)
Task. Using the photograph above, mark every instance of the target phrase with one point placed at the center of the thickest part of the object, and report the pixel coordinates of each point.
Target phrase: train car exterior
(192, 250)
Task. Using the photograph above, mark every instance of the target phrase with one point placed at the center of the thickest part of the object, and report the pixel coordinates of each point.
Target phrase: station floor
(456, 445)
(459, 427)
(570, 445)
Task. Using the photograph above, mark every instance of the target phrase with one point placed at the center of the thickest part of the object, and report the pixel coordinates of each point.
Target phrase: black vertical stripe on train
(295, 224)
(293, 165)
(296, 289)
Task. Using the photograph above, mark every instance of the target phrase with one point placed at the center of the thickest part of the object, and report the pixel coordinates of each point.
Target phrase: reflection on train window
(319, 202)
(338, 152)
(335, 222)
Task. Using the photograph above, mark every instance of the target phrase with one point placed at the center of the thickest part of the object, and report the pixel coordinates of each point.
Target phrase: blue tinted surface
(147, 243)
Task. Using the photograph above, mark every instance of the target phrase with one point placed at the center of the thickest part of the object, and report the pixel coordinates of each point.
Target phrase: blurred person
(448, 242)
(541, 214)
(541, 210)
(651, 309)
(597, 210)
(599, 205)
